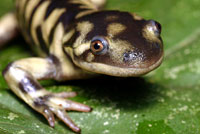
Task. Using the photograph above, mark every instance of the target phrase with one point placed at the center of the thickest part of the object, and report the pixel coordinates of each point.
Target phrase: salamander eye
(158, 27)
(99, 45)
(155, 26)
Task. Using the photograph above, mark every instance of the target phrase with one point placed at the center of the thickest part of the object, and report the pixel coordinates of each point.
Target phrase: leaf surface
(166, 101)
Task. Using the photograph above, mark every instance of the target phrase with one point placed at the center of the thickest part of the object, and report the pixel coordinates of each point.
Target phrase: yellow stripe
(50, 23)
(21, 4)
(56, 46)
(85, 3)
(38, 18)
(57, 50)
(67, 36)
(83, 13)
(29, 9)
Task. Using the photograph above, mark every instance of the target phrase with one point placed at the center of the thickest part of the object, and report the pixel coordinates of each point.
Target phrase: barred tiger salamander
(76, 40)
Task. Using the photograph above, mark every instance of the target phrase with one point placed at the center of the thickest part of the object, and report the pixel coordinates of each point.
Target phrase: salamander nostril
(126, 57)
(129, 56)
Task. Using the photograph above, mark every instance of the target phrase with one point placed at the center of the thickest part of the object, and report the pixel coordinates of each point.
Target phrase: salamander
(76, 39)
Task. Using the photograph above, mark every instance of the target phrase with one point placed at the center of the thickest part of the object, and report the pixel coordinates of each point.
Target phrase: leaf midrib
(189, 40)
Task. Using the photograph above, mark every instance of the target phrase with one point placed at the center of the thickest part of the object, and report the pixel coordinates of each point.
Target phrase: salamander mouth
(117, 71)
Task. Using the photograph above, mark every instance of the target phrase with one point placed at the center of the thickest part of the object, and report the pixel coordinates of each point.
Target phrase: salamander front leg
(22, 77)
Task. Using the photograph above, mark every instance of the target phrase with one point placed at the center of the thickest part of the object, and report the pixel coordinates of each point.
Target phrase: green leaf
(165, 101)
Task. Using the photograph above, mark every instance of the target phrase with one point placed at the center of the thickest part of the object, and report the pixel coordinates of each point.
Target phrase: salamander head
(117, 43)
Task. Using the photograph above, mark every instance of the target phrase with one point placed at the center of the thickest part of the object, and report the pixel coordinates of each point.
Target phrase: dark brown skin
(139, 43)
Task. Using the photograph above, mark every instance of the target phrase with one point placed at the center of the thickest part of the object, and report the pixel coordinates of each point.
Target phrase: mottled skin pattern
(75, 41)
